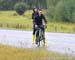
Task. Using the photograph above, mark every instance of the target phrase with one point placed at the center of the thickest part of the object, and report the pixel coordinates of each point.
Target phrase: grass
(61, 27)
(11, 20)
(11, 53)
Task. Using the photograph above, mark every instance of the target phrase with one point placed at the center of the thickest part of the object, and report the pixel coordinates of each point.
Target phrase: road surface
(56, 42)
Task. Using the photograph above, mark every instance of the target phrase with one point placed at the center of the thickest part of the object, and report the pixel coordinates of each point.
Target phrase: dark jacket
(34, 16)
(39, 19)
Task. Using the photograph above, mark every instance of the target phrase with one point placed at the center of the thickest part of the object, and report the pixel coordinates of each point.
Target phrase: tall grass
(9, 19)
(11, 53)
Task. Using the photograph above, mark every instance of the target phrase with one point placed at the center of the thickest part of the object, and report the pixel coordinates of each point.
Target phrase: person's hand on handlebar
(36, 26)
(45, 25)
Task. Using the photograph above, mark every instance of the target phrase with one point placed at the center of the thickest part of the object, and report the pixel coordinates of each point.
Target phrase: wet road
(56, 42)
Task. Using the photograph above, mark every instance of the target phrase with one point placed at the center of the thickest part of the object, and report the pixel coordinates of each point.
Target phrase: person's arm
(44, 19)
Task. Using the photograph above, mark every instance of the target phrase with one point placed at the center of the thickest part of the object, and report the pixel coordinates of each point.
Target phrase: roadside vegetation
(11, 53)
(11, 20)
(61, 10)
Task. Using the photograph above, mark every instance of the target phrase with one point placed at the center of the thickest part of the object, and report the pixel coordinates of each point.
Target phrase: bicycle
(39, 36)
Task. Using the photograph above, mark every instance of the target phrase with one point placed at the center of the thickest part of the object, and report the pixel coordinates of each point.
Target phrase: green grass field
(10, 20)
(11, 53)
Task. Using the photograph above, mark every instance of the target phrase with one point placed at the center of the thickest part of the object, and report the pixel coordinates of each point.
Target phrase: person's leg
(33, 36)
(43, 34)
(44, 40)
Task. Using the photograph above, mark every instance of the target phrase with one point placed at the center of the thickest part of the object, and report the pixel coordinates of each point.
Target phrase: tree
(21, 7)
(64, 11)
(51, 5)
(61, 10)
(9, 4)
(4, 4)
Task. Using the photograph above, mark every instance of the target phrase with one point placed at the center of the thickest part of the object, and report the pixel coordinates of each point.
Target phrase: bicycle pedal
(41, 38)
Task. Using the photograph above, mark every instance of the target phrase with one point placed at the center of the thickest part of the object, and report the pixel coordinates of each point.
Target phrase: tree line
(61, 10)
(57, 10)
(9, 4)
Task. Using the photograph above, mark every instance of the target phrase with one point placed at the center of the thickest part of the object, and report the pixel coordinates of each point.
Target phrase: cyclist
(39, 22)
(34, 14)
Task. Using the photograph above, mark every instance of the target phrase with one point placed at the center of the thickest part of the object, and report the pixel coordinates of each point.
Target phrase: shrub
(21, 8)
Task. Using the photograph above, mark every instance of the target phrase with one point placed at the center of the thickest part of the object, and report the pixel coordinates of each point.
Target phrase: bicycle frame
(38, 36)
